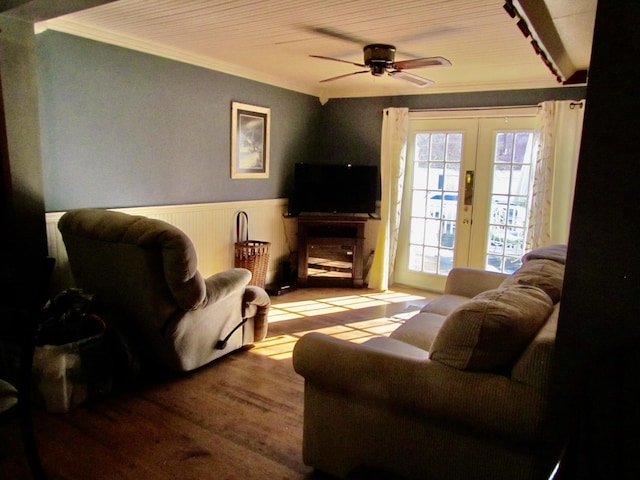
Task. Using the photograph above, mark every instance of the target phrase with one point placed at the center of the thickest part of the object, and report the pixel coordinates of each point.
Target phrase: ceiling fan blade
(411, 78)
(339, 60)
(332, 32)
(343, 76)
(429, 34)
(422, 63)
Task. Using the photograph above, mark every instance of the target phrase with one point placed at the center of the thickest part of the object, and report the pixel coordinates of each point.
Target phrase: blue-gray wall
(121, 128)
(352, 125)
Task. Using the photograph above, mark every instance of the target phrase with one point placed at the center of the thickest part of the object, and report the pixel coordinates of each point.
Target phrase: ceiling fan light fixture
(378, 69)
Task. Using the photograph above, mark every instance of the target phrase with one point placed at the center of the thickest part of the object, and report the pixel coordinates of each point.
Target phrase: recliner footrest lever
(222, 344)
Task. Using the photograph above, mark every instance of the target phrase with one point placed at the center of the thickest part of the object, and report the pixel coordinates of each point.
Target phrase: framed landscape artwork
(250, 131)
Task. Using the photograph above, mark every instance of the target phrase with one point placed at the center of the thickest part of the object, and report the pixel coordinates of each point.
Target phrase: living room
(128, 129)
(149, 121)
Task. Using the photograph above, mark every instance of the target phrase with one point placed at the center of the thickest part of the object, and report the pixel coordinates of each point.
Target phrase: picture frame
(250, 140)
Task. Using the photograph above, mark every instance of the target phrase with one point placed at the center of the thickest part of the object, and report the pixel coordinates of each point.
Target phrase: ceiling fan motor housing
(379, 57)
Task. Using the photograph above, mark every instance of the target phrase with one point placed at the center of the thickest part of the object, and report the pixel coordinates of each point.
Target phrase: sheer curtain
(395, 124)
(558, 137)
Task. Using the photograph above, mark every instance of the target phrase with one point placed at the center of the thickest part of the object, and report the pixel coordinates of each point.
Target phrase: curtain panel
(558, 135)
(395, 125)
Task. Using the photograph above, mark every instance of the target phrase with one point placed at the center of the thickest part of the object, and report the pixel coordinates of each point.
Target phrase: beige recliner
(144, 272)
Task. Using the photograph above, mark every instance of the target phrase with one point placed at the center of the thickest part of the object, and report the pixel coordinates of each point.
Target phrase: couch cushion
(445, 304)
(533, 367)
(420, 330)
(547, 275)
(490, 331)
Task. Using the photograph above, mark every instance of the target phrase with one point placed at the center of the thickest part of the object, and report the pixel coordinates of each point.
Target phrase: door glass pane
(509, 200)
(434, 201)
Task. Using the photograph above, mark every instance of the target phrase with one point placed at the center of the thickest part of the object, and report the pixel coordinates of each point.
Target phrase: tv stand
(330, 251)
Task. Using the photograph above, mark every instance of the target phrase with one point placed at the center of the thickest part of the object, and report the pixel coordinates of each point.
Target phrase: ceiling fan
(379, 59)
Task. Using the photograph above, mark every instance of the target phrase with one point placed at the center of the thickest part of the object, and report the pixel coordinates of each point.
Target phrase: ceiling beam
(544, 31)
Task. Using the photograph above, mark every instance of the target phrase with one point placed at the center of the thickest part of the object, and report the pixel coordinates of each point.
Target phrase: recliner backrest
(145, 267)
(179, 260)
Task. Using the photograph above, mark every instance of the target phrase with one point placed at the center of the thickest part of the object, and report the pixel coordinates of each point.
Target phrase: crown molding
(68, 26)
(134, 43)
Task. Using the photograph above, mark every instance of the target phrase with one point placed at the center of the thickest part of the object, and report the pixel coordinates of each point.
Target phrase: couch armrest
(392, 373)
(468, 282)
(256, 296)
(222, 284)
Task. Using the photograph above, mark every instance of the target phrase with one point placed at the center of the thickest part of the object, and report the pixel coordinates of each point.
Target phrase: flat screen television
(334, 188)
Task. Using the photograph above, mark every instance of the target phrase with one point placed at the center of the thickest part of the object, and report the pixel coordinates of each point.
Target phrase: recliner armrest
(257, 296)
(223, 284)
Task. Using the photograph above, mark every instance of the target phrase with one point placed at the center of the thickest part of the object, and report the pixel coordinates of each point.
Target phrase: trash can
(72, 361)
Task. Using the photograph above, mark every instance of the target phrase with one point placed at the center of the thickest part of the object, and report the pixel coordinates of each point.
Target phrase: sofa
(459, 391)
(143, 273)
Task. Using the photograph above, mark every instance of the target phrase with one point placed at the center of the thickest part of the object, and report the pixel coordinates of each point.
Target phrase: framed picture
(250, 131)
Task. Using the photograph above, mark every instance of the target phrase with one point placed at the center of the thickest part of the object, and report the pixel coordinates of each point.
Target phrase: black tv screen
(333, 188)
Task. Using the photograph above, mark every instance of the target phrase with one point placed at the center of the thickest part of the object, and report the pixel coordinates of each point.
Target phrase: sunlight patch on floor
(280, 347)
(325, 306)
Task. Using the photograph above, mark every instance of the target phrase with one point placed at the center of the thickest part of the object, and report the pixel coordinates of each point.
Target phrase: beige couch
(145, 273)
(459, 391)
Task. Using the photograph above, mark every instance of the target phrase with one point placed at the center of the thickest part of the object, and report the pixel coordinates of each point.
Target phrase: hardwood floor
(239, 417)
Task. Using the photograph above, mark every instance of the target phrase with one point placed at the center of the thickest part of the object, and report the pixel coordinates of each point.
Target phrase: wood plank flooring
(238, 418)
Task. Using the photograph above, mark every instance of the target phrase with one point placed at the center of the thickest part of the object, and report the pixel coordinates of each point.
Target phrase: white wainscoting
(211, 227)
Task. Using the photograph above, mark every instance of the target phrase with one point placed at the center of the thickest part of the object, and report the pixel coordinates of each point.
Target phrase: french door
(466, 196)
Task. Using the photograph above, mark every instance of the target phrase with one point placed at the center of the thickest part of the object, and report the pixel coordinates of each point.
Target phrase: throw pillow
(490, 331)
(547, 275)
(557, 253)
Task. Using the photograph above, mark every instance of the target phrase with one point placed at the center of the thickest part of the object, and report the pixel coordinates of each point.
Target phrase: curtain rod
(474, 109)
(506, 110)
(572, 105)
(471, 112)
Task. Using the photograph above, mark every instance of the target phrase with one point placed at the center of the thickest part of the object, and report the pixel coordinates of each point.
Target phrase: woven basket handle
(242, 214)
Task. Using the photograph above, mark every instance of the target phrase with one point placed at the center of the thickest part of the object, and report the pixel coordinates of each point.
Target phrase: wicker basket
(251, 254)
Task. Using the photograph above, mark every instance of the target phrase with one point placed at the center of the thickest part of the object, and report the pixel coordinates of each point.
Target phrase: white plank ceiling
(270, 41)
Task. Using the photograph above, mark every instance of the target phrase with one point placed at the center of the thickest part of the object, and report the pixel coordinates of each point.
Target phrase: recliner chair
(144, 272)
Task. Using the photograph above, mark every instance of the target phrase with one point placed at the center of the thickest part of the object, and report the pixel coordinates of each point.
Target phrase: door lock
(468, 187)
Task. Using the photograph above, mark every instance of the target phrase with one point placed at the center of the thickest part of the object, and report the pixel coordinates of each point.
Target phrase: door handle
(468, 187)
